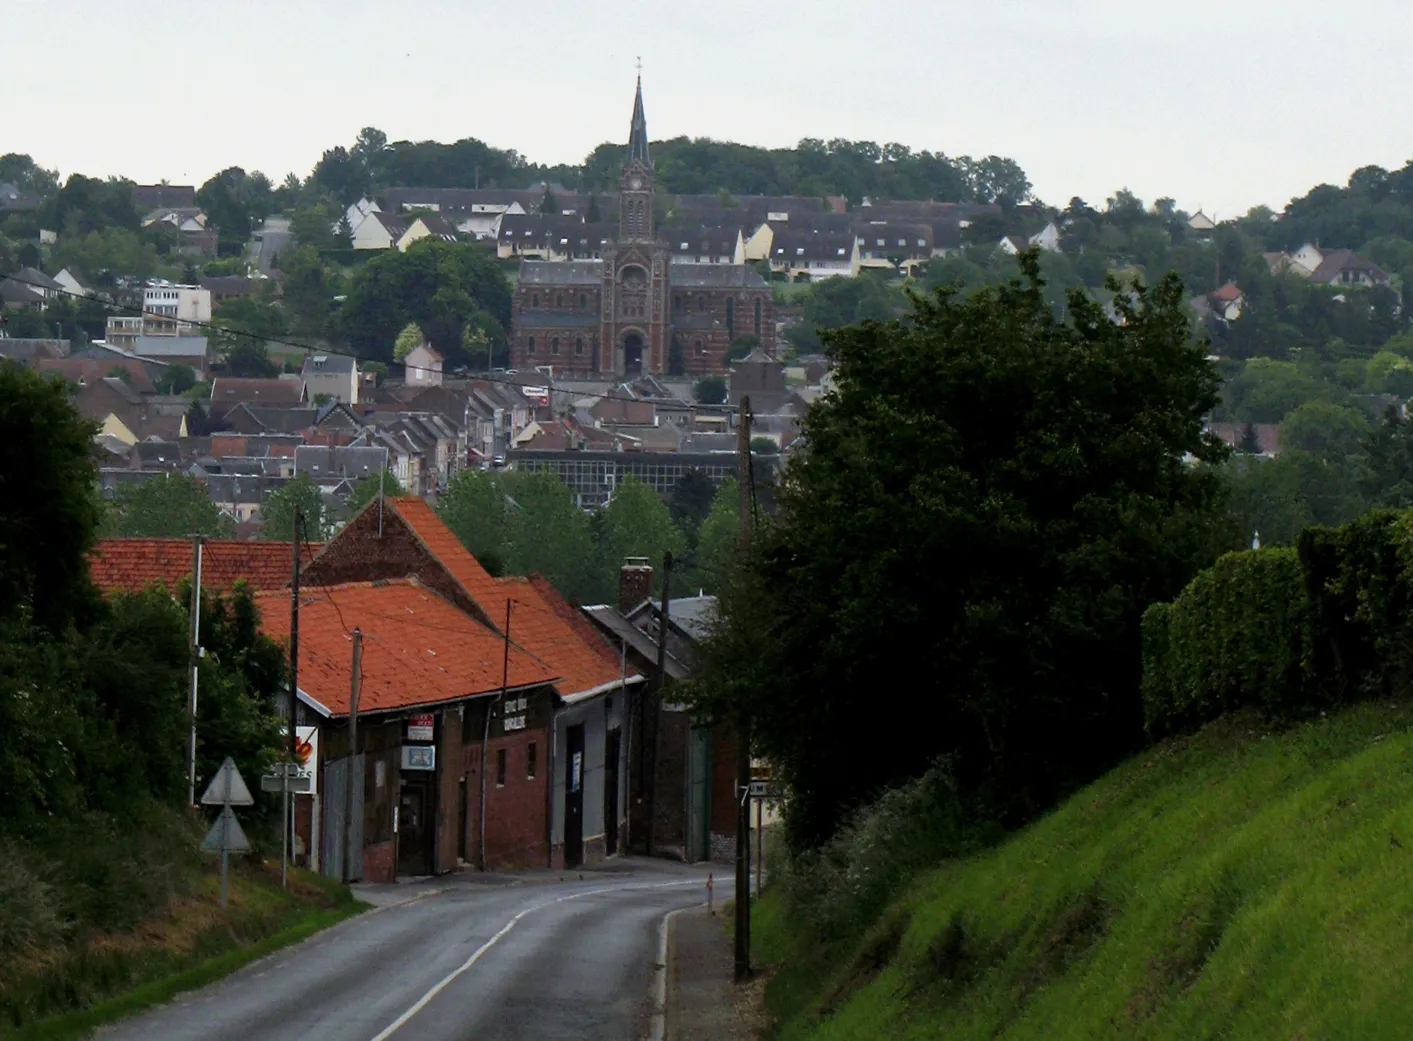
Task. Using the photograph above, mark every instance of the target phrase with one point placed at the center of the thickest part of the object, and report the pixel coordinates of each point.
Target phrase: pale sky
(1221, 105)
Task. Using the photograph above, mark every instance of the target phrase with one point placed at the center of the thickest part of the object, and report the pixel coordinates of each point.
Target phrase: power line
(212, 327)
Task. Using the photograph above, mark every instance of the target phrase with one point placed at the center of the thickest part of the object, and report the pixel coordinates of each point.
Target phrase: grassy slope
(1235, 884)
(176, 937)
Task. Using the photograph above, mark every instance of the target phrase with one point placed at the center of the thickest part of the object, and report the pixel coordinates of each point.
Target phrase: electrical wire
(305, 347)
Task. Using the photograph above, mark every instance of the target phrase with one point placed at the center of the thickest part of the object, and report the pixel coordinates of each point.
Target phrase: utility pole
(655, 707)
(486, 734)
(743, 743)
(352, 753)
(196, 544)
(286, 817)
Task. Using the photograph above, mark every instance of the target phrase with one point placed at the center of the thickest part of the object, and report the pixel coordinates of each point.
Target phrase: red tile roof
(449, 551)
(130, 565)
(546, 633)
(418, 649)
(91, 369)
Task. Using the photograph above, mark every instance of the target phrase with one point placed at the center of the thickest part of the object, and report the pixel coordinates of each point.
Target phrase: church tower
(635, 186)
(634, 330)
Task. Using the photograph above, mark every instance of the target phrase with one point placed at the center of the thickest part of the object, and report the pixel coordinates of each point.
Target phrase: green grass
(181, 938)
(159, 991)
(1238, 884)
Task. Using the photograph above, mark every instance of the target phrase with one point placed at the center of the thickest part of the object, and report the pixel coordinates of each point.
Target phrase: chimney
(635, 583)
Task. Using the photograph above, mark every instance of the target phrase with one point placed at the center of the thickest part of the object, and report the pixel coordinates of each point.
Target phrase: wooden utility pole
(486, 736)
(743, 743)
(195, 663)
(656, 706)
(287, 817)
(352, 754)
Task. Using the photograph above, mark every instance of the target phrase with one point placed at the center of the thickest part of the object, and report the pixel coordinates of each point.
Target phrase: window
(530, 755)
(500, 767)
(554, 345)
(731, 318)
(578, 346)
(700, 347)
(583, 302)
(530, 345)
(558, 299)
(535, 301)
(757, 317)
(701, 303)
(677, 302)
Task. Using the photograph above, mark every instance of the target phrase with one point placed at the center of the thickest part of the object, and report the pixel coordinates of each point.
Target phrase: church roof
(560, 273)
(638, 134)
(705, 276)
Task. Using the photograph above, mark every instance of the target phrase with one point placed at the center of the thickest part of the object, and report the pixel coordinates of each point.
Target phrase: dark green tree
(173, 506)
(48, 507)
(710, 390)
(277, 512)
(988, 504)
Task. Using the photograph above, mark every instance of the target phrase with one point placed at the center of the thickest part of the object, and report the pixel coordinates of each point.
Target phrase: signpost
(226, 789)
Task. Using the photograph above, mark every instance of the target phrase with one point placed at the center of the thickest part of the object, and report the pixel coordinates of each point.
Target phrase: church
(638, 310)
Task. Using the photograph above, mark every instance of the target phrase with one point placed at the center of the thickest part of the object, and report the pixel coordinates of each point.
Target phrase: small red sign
(421, 728)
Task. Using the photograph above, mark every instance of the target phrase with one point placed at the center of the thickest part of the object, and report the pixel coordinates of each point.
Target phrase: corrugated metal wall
(331, 834)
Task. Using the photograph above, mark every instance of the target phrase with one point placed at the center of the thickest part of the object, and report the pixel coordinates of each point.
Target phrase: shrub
(1237, 635)
(837, 890)
(1286, 630)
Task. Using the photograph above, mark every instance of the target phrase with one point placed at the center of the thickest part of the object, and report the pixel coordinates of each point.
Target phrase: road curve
(543, 961)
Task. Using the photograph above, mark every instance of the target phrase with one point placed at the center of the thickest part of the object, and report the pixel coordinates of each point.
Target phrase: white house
(1199, 221)
(378, 230)
(71, 283)
(178, 304)
(425, 226)
(813, 256)
(358, 210)
(1047, 238)
(424, 367)
(334, 376)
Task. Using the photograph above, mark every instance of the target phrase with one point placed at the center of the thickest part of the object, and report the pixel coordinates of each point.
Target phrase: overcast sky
(1221, 105)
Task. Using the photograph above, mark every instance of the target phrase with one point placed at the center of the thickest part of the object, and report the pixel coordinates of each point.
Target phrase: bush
(1286, 630)
(838, 889)
(1238, 634)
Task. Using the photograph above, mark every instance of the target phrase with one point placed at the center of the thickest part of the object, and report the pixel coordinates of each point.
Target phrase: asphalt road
(542, 960)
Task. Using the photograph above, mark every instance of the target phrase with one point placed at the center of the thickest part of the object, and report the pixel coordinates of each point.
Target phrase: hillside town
(441, 594)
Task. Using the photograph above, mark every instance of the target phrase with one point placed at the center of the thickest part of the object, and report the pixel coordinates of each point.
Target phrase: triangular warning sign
(226, 834)
(227, 788)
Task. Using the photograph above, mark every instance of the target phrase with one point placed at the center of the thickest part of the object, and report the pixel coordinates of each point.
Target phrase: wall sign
(419, 757)
(576, 771)
(421, 728)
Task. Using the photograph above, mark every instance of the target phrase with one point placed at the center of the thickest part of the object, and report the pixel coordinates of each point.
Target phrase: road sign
(226, 835)
(766, 790)
(227, 788)
(299, 784)
(419, 757)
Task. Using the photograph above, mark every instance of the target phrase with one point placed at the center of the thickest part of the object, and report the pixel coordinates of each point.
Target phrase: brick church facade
(637, 310)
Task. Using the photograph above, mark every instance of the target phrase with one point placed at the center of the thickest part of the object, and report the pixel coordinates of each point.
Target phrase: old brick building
(639, 309)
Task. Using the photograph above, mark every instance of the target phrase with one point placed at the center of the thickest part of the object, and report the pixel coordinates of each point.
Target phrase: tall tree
(989, 502)
(48, 508)
(547, 532)
(277, 512)
(474, 508)
(637, 523)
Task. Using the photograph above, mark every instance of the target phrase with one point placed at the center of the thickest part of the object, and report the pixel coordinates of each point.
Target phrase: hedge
(1286, 630)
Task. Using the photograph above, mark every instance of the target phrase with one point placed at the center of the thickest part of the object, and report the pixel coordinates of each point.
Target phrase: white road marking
(422, 1002)
(658, 1030)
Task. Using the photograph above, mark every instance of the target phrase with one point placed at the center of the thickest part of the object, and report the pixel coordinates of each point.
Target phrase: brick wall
(359, 554)
(669, 805)
(723, 784)
(517, 824)
(380, 862)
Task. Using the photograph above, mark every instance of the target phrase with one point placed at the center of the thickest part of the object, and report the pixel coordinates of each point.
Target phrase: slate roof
(323, 362)
(721, 276)
(171, 347)
(1337, 260)
(561, 273)
(418, 650)
(130, 565)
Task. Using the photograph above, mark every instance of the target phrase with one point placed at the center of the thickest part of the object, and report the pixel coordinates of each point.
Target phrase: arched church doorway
(633, 354)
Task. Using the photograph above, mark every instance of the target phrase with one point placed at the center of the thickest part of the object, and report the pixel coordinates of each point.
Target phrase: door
(414, 826)
(610, 791)
(574, 796)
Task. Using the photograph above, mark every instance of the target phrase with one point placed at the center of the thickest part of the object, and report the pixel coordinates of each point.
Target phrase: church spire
(638, 135)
